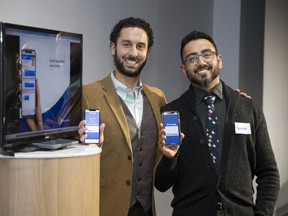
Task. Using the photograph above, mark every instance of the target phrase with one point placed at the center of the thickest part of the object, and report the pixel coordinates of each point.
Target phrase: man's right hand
(168, 150)
(83, 136)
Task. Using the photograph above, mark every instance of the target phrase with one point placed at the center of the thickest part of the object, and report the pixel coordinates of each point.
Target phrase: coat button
(128, 182)
(202, 141)
(129, 157)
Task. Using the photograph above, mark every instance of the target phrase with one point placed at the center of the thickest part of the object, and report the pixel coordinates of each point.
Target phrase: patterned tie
(212, 130)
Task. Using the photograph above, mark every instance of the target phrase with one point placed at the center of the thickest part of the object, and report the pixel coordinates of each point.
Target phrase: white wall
(275, 100)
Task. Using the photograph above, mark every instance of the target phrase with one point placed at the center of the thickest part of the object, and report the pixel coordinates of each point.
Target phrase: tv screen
(41, 84)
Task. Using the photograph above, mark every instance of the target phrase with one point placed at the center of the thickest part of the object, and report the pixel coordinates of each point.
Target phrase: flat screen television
(41, 85)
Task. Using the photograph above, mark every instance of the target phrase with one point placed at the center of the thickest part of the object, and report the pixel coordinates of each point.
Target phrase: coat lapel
(116, 107)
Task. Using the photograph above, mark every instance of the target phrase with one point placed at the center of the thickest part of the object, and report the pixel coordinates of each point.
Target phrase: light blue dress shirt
(133, 98)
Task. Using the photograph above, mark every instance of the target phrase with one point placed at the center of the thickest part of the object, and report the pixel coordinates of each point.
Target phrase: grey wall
(171, 20)
(175, 21)
(226, 33)
(251, 48)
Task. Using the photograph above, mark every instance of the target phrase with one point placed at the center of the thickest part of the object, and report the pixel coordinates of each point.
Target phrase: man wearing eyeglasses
(216, 178)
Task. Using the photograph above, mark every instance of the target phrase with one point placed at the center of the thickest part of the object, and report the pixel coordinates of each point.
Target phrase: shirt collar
(218, 90)
(200, 94)
(123, 90)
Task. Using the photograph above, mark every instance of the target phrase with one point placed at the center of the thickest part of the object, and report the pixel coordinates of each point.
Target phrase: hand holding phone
(92, 118)
(171, 122)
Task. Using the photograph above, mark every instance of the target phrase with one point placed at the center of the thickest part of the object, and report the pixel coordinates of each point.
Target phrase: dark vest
(144, 143)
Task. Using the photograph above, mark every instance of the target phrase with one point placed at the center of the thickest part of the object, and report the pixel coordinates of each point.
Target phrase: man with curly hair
(130, 113)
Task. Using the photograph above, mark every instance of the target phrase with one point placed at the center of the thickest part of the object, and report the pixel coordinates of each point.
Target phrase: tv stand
(6, 153)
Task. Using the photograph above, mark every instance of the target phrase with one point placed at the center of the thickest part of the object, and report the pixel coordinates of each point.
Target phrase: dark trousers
(220, 213)
(137, 210)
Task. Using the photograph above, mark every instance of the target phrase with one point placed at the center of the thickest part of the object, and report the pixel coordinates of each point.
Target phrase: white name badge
(242, 128)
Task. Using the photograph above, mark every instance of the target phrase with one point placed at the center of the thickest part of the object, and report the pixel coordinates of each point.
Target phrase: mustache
(132, 58)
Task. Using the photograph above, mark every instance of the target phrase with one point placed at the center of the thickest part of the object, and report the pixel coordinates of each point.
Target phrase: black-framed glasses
(193, 59)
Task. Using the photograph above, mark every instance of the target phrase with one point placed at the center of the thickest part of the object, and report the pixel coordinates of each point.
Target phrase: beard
(204, 81)
(120, 67)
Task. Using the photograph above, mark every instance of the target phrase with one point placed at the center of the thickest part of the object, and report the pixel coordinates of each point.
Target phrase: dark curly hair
(195, 35)
(132, 22)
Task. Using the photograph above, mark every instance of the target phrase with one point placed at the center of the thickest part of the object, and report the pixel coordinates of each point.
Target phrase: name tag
(242, 128)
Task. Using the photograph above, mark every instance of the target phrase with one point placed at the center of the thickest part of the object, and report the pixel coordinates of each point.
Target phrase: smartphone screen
(92, 117)
(28, 79)
(171, 123)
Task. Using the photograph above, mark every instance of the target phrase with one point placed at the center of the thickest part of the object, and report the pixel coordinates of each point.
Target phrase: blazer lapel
(191, 101)
(116, 107)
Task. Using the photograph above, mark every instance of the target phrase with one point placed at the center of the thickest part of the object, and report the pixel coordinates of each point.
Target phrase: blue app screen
(171, 125)
(92, 118)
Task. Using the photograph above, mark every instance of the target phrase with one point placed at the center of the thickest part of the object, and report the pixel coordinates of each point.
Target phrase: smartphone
(171, 122)
(92, 117)
(28, 82)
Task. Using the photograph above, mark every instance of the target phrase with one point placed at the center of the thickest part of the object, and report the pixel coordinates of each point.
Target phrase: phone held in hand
(92, 118)
(171, 122)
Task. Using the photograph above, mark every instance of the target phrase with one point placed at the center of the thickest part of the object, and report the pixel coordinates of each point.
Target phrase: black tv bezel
(9, 149)
(2, 135)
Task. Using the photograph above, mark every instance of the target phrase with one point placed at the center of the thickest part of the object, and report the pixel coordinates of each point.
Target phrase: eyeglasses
(194, 58)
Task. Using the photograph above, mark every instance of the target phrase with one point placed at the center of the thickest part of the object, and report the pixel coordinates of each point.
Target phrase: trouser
(220, 213)
(137, 210)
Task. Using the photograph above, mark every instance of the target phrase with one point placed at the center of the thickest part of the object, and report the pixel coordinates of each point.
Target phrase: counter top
(75, 150)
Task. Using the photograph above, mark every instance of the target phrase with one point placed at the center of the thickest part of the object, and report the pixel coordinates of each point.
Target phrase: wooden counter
(51, 183)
